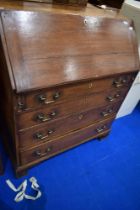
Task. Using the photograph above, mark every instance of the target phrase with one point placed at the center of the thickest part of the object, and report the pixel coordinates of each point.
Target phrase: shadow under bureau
(63, 79)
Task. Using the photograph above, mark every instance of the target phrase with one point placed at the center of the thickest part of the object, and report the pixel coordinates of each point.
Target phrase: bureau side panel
(7, 108)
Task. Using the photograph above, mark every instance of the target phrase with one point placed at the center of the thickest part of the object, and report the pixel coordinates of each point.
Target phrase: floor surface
(94, 176)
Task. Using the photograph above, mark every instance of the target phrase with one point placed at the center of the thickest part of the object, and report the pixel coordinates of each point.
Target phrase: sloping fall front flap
(46, 49)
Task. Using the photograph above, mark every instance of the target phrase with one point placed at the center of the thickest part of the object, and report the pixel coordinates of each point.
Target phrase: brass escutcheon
(80, 116)
(90, 85)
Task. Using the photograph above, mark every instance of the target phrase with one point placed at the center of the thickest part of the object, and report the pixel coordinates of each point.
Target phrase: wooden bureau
(63, 79)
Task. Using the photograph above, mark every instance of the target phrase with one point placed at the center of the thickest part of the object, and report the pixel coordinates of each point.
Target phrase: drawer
(106, 98)
(63, 93)
(53, 112)
(49, 149)
(49, 131)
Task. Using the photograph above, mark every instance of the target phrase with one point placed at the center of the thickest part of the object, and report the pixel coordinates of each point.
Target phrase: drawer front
(106, 98)
(60, 94)
(51, 148)
(49, 131)
(51, 113)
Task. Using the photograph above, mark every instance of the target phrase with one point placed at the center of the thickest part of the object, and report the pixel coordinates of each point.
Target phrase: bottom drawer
(49, 149)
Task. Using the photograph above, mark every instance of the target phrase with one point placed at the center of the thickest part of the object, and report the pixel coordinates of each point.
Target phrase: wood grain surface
(63, 77)
(65, 48)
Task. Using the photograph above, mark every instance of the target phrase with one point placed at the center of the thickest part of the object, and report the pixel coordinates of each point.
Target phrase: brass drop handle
(117, 95)
(39, 136)
(99, 130)
(110, 98)
(49, 102)
(56, 95)
(21, 106)
(117, 84)
(124, 81)
(106, 113)
(38, 153)
(50, 132)
(41, 117)
(53, 113)
(43, 99)
(110, 110)
(120, 83)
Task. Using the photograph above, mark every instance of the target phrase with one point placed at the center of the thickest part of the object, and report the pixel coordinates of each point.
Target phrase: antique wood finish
(61, 94)
(52, 112)
(62, 81)
(48, 131)
(75, 62)
(64, 142)
(89, 10)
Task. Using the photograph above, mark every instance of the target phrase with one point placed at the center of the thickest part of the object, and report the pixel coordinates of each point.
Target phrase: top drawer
(63, 93)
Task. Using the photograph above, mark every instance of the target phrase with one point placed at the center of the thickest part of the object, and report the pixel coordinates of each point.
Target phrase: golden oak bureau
(63, 79)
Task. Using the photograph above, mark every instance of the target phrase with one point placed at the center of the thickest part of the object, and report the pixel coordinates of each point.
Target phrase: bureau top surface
(46, 49)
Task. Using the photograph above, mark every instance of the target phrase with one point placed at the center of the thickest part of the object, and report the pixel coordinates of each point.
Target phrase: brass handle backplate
(80, 117)
(41, 136)
(56, 95)
(110, 98)
(113, 98)
(100, 129)
(119, 83)
(38, 153)
(43, 98)
(43, 118)
(106, 113)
